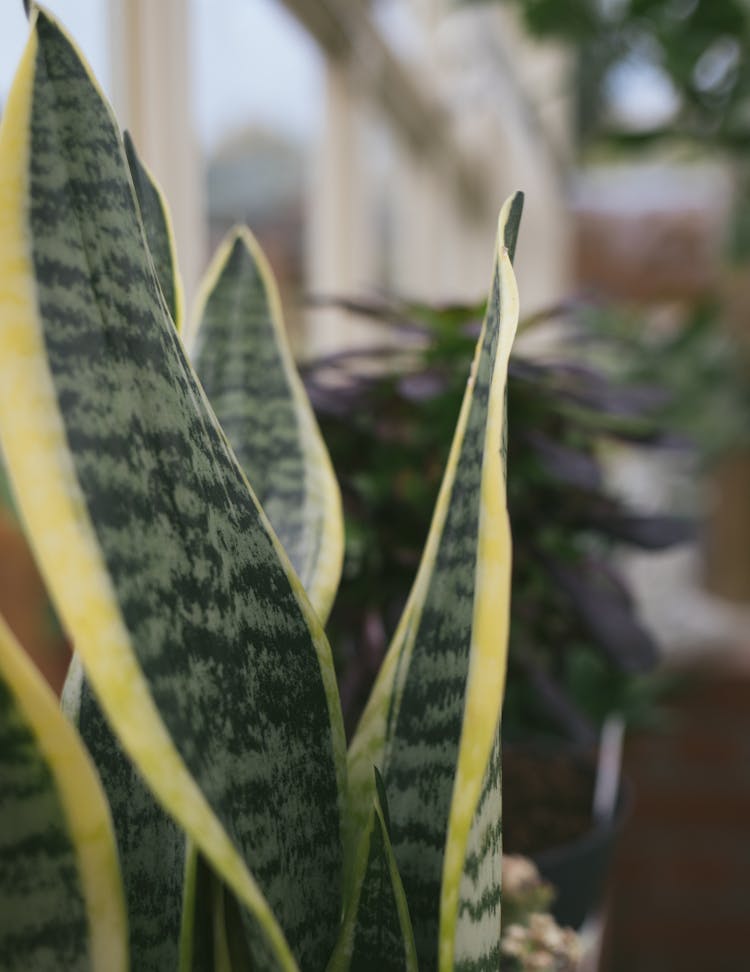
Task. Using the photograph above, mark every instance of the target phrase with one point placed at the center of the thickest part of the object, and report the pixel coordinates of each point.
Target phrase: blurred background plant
(706, 400)
(662, 125)
(578, 649)
(691, 49)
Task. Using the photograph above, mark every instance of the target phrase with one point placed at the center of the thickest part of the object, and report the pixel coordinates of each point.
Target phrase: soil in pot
(547, 798)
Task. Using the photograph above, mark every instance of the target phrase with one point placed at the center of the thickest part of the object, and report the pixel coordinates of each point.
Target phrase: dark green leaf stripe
(477, 947)
(196, 635)
(376, 934)
(435, 708)
(243, 360)
(158, 228)
(61, 904)
(151, 846)
(512, 223)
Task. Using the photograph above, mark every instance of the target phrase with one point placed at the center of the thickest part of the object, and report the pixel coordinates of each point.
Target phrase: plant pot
(547, 799)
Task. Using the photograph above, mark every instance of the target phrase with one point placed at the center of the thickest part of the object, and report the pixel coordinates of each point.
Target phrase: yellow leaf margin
(490, 627)
(84, 804)
(321, 487)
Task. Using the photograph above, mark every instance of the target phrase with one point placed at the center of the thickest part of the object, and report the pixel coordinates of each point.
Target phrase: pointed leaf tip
(376, 932)
(158, 229)
(383, 798)
(245, 364)
(510, 221)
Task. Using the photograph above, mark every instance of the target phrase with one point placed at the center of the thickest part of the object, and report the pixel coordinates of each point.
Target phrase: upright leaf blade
(61, 900)
(196, 933)
(243, 359)
(157, 225)
(434, 712)
(151, 846)
(197, 637)
(470, 893)
(376, 933)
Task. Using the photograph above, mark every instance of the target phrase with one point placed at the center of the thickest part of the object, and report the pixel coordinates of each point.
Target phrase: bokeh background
(369, 145)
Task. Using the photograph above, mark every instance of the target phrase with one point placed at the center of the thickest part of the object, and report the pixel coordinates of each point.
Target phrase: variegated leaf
(376, 934)
(150, 844)
(157, 224)
(477, 932)
(244, 362)
(197, 637)
(432, 720)
(61, 899)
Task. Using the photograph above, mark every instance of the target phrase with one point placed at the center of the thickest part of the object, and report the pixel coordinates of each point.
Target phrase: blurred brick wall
(24, 605)
(679, 897)
(656, 239)
(646, 256)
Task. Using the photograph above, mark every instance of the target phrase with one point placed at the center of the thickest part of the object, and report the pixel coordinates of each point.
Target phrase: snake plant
(194, 807)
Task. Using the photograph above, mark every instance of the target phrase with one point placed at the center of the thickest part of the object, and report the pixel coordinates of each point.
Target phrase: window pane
(257, 97)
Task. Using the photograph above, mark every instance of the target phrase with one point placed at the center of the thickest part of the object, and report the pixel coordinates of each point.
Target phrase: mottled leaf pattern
(376, 934)
(194, 630)
(61, 900)
(477, 937)
(159, 234)
(150, 845)
(432, 720)
(243, 360)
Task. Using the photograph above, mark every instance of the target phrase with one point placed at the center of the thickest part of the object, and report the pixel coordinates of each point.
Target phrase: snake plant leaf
(196, 932)
(476, 940)
(61, 898)
(157, 224)
(376, 933)
(151, 846)
(213, 934)
(197, 637)
(245, 364)
(432, 720)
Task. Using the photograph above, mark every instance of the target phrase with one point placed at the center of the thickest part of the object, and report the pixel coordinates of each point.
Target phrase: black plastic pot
(578, 869)
(577, 866)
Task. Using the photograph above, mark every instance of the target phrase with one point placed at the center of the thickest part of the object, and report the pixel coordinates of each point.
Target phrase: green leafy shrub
(206, 813)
